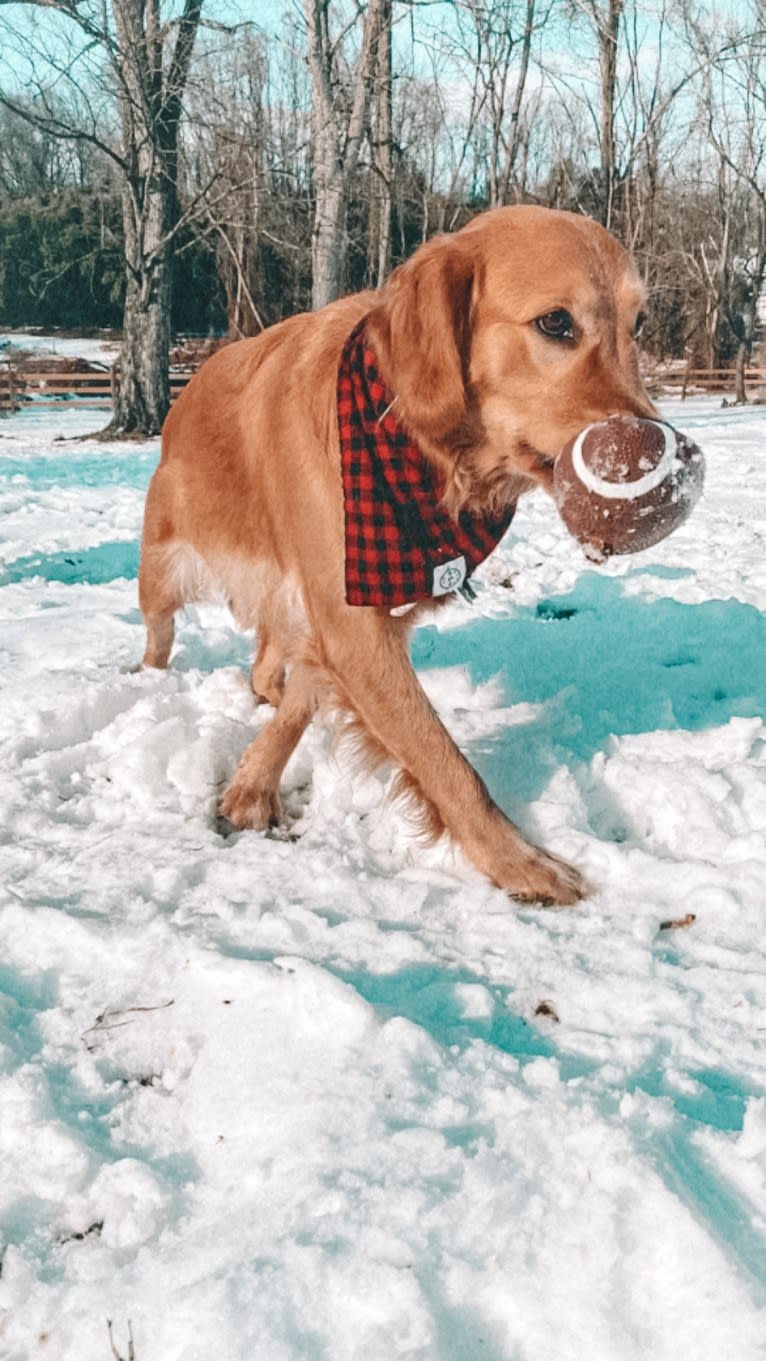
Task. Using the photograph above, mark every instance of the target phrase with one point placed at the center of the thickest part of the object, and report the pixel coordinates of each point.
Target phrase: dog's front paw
(547, 881)
(247, 806)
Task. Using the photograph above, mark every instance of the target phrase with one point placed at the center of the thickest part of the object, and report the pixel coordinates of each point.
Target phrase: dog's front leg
(252, 797)
(366, 652)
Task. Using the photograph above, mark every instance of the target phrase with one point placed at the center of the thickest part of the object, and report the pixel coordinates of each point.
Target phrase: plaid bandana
(402, 545)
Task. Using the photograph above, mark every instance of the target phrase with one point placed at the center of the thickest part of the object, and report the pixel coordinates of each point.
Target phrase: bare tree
(494, 37)
(33, 161)
(144, 57)
(731, 114)
(225, 163)
(603, 18)
(737, 131)
(340, 111)
(245, 163)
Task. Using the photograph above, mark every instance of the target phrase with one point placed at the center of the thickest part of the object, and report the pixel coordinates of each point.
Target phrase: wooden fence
(688, 380)
(20, 389)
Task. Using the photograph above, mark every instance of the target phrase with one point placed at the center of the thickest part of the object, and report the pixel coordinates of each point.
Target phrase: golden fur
(247, 500)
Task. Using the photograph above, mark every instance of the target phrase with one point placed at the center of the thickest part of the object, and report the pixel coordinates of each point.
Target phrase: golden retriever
(497, 345)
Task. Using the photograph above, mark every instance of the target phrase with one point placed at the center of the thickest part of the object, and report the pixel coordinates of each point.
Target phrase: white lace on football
(625, 491)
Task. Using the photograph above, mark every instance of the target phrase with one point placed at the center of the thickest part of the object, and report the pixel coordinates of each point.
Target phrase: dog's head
(502, 341)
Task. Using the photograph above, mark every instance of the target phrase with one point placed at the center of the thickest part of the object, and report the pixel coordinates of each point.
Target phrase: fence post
(7, 388)
(685, 382)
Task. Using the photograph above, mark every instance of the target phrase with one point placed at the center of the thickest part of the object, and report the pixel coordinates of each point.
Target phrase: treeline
(62, 254)
(215, 180)
(62, 265)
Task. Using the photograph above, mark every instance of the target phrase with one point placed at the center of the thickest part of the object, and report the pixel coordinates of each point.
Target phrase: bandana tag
(449, 576)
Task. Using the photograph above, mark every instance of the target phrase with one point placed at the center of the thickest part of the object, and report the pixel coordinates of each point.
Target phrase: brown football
(625, 483)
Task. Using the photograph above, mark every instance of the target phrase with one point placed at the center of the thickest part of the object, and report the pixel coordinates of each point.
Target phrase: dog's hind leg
(252, 796)
(160, 632)
(159, 596)
(161, 587)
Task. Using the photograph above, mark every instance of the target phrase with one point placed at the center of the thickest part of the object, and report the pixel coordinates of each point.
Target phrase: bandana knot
(402, 544)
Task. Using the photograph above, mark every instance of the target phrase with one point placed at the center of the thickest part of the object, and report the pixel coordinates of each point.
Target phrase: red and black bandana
(402, 545)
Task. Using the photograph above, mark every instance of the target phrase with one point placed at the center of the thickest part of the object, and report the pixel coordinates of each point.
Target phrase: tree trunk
(608, 28)
(515, 133)
(749, 322)
(382, 158)
(336, 140)
(327, 237)
(143, 389)
(740, 371)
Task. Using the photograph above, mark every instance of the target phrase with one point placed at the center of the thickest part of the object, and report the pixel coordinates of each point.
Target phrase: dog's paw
(246, 806)
(548, 882)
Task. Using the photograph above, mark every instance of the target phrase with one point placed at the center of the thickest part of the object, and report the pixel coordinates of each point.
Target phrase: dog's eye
(556, 325)
(639, 326)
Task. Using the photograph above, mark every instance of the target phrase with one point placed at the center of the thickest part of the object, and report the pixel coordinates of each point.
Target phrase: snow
(324, 1093)
(97, 349)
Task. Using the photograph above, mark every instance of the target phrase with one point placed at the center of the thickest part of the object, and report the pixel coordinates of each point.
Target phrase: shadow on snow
(603, 664)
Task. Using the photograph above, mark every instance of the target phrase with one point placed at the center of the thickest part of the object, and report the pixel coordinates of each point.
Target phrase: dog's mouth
(535, 464)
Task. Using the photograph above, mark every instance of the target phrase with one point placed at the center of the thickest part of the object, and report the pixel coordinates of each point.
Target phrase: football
(625, 483)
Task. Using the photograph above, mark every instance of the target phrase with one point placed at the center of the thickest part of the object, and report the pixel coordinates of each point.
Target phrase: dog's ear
(420, 331)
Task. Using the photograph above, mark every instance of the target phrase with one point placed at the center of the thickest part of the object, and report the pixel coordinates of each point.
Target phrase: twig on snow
(673, 923)
(118, 1355)
(108, 1018)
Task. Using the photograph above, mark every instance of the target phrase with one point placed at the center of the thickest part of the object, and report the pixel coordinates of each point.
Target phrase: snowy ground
(291, 1097)
(98, 349)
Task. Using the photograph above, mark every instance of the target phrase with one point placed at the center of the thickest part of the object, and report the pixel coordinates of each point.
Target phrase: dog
(477, 361)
